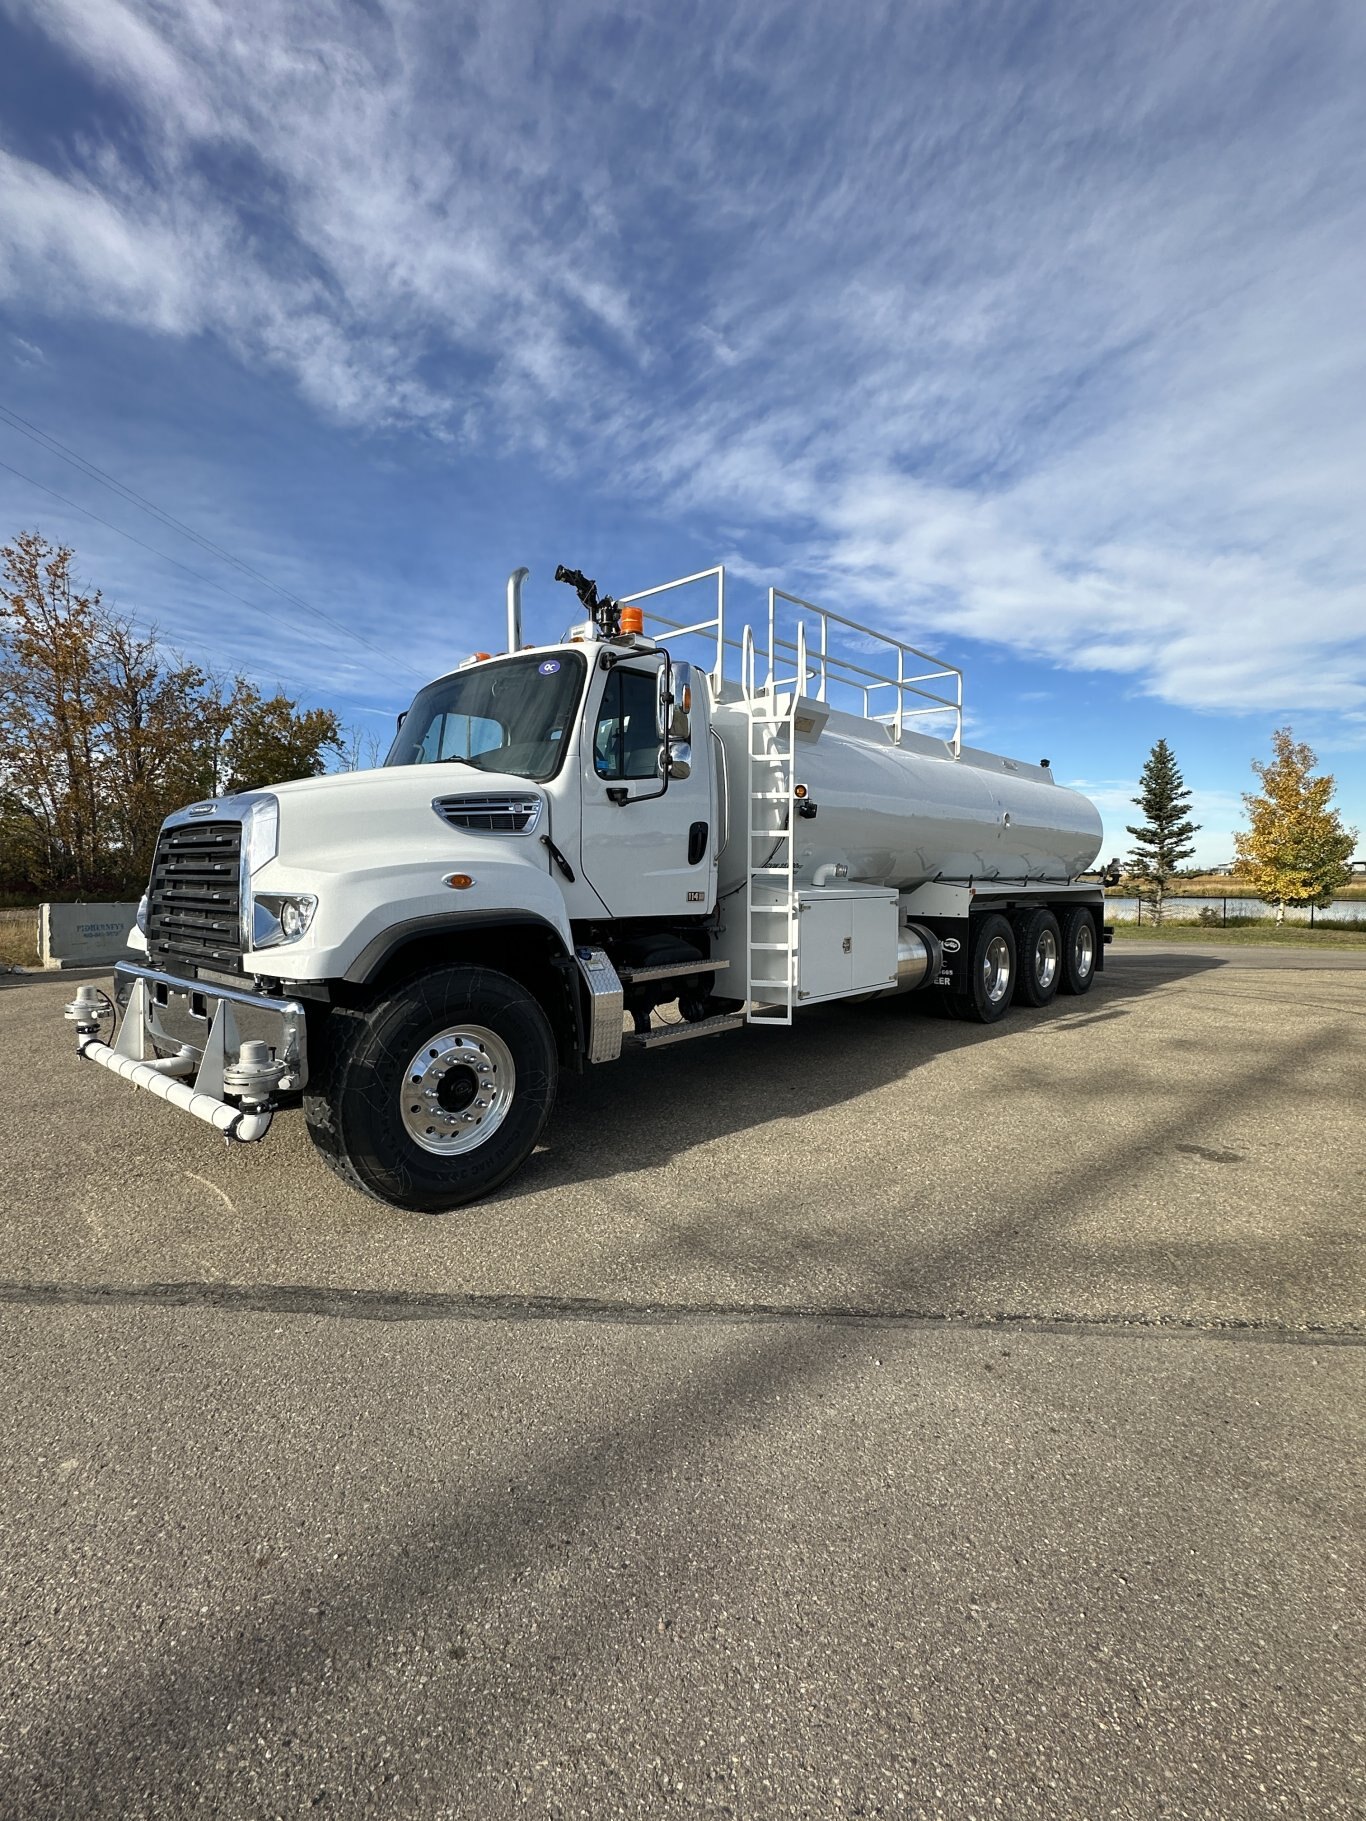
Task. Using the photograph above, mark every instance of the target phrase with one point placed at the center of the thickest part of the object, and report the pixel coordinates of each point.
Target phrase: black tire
(1038, 947)
(363, 1107)
(991, 971)
(1079, 943)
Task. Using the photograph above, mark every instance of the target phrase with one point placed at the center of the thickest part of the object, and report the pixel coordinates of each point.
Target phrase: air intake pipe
(515, 581)
(919, 957)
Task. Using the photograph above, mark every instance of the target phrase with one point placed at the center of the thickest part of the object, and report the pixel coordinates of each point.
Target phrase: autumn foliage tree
(1296, 851)
(102, 735)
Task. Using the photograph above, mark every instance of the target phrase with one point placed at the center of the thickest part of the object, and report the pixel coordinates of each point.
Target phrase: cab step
(666, 1034)
(666, 970)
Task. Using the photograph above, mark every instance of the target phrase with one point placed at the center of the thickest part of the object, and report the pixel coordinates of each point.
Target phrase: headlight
(295, 917)
(261, 830)
(141, 919)
(260, 842)
(278, 917)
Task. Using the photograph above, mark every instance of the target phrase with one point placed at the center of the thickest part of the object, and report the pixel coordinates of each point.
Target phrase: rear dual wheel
(1078, 950)
(1038, 942)
(1029, 961)
(991, 971)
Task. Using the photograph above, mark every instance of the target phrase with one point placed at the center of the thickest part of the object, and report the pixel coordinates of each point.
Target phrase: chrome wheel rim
(996, 970)
(457, 1090)
(1084, 950)
(1046, 959)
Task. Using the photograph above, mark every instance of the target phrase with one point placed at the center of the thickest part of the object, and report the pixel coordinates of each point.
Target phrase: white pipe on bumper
(245, 1127)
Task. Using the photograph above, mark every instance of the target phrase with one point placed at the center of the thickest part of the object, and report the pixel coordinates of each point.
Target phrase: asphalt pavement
(886, 1417)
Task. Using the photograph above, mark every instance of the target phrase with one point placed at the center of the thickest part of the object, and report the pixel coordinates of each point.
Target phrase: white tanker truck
(581, 851)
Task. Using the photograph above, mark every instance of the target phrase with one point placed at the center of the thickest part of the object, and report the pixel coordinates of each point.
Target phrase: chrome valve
(255, 1074)
(84, 1011)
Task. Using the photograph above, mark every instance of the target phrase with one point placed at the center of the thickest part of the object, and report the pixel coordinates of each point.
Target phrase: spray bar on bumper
(246, 1068)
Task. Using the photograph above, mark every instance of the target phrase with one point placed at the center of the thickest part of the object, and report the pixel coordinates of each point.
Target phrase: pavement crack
(343, 1304)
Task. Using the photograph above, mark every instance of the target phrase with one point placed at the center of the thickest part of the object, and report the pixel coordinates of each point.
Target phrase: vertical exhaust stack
(515, 581)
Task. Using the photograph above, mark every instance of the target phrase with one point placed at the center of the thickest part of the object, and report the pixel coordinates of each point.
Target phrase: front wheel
(1078, 950)
(435, 1095)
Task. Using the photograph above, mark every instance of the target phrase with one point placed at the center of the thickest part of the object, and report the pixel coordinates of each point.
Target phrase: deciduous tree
(1296, 850)
(151, 714)
(1163, 839)
(362, 749)
(270, 740)
(102, 733)
(48, 631)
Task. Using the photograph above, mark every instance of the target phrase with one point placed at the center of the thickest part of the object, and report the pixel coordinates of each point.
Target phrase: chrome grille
(504, 814)
(194, 902)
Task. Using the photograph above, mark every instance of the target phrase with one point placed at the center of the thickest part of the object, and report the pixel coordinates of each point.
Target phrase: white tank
(901, 815)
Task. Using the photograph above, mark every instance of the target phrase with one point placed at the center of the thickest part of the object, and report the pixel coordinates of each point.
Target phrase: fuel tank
(901, 814)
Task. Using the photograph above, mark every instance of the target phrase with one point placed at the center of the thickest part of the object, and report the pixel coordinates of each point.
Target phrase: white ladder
(770, 898)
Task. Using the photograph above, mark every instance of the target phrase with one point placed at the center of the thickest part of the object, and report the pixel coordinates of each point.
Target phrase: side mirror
(673, 716)
(679, 760)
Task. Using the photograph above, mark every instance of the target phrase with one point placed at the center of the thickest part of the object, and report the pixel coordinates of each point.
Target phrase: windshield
(511, 716)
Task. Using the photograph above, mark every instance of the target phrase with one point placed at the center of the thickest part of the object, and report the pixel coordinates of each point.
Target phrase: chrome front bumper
(217, 1052)
(178, 1015)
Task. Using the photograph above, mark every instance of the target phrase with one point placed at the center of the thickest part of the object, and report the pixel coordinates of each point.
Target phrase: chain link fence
(1227, 909)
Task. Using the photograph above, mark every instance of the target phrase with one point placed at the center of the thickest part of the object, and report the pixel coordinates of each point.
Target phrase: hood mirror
(680, 718)
(678, 757)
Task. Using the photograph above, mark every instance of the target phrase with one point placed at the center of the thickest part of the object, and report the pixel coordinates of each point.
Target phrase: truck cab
(580, 729)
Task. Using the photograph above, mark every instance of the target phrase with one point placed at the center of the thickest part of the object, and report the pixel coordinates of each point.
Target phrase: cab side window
(626, 739)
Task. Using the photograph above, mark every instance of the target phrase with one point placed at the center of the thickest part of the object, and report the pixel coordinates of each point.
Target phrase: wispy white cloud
(26, 353)
(1042, 330)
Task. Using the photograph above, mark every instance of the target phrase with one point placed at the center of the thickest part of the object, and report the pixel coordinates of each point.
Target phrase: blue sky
(1034, 332)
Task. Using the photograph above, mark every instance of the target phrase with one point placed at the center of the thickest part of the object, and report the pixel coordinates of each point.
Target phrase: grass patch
(1215, 885)
(18, 938)
(1246, 935)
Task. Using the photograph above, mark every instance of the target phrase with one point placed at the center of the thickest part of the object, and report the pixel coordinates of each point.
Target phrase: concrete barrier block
(84, 935)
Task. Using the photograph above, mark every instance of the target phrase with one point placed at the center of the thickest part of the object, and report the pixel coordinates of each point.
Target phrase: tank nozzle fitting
(84, 1012)
(255, 1074)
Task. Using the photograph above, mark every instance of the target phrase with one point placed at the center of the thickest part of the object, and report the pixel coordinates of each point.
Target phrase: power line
(94, 472)
(28, 479)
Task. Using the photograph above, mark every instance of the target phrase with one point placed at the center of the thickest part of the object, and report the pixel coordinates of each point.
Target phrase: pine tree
(1296, 851)
(1163, 840)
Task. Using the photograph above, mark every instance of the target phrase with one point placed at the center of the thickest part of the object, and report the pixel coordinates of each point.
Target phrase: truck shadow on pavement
(606, 1121)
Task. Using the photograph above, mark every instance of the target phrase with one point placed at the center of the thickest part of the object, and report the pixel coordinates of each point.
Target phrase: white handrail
(717, 623)
(915, 697)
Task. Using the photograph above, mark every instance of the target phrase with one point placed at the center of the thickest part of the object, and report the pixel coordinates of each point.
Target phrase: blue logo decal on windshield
(550, 666)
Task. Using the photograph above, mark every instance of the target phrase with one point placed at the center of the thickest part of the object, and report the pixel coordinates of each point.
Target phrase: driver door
(646, 850)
